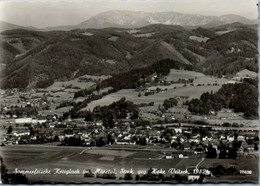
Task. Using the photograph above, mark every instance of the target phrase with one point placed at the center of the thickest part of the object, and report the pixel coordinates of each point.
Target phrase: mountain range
(134, 19)
(37, 58)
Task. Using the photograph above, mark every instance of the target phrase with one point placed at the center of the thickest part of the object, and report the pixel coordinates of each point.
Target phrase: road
(200, 162)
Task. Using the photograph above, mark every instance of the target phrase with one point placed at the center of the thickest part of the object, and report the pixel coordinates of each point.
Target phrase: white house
(240, 138)
(40, 121)
(183, 156)
(168, 156)
(16, 133)
(230, 138)
(178, 130)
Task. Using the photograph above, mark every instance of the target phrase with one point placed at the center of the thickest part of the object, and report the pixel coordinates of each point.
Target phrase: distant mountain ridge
(8, 26)
(137, 19)
(131, 19)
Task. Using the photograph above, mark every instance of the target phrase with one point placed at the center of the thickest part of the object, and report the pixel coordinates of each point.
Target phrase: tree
(141, 141)
(100, 142)
(212, 152)
(17, 179)
(223, 152)
(232, 153)
(88, 117)
(11, 178)
(9, 130)
(109, 123)
(32, 132)
(256, 147)
(73, 141)
(3, 172)
(218, 171)
(128, 176)
(110, 139)
(236, 144)
(56, 138)
(168, 103)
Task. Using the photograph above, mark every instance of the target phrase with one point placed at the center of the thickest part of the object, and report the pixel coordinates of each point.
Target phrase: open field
(223, 32)
(109, 152)
(59, 111)
(30, 157)
(210, 80)
(175, 75)
(245, 122)
(146, 155)
(199, 39)
(42, 157)
(72, 84)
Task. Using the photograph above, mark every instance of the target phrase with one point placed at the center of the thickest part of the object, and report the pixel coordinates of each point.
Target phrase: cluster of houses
(181, 139)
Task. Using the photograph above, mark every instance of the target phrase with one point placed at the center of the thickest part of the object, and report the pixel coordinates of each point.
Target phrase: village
(178, 140)
(32, 117)
(155, 124)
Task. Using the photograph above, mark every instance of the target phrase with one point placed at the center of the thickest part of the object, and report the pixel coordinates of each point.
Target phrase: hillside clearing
(175, 52)
(199, 39)
(175, 75)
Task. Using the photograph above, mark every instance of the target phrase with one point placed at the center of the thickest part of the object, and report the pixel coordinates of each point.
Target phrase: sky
(55, 13)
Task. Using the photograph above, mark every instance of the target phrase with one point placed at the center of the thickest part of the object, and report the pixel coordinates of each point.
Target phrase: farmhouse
(230, 138)
(206, 138)
(183, 156)
(168, 156)
(16, 133)
(178, 130)
(122, 141)
(186, 146)
(99, 123)
(198, 150)
(240, 138)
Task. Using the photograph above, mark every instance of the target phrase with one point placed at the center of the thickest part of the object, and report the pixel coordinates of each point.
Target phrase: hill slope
(37, 59)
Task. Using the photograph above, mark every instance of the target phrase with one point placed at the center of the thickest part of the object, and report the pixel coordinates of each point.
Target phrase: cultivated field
(51, 157)
(75, 83)
(212, 80)
(30, 157)
(175, 75)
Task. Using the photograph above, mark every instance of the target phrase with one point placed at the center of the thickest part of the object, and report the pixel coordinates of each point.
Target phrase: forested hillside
(37, 59)
(239, 96)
